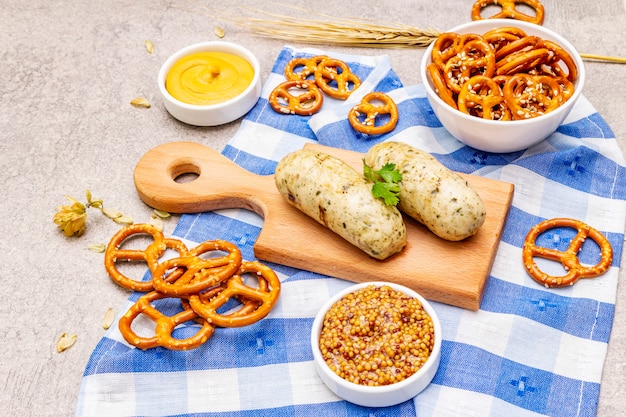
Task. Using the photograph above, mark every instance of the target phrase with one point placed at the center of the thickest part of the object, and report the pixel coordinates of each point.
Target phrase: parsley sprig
(385, 182)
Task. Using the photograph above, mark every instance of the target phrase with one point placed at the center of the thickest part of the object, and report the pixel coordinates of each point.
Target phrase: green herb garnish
(385, 182)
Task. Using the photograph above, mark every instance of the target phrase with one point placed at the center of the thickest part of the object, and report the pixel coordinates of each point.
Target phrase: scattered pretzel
(509, 56)
(199, 273)
(151, 254)
(336, 79)
(234, 287)
(363, 116)
(306, 102)
(509, 10)
(300, 69)
(210, 279)
(164, 326)
(569, 257)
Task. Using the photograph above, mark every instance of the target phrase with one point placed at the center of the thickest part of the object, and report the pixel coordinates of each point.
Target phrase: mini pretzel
(300, 69)
(306, 103)
(441, 87)
(521, 62)
(235, 287)
(481, 96)
(475, 57)
(509, 10)
(336, 79)
(370, 109)
(568, 258)
(165, 325)
(530, 96)
(199, 273)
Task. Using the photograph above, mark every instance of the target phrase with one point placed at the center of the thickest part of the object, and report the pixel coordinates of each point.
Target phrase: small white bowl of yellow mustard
(210, 83)
(376, 344)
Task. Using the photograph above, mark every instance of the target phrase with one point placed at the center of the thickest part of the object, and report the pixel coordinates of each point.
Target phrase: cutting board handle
(220, 183)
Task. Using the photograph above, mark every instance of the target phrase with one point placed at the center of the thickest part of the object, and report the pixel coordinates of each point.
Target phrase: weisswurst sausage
(340, 198)
(431, 193)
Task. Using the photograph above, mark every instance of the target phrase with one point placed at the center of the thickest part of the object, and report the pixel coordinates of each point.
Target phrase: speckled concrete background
(68, 72)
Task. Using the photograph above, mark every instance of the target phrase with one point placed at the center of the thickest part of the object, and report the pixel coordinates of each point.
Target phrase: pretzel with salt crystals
(199, 273)
(475, 57)
(569, 257)
(165, 325)
(529, 96)
(509, 10)
(335, 78)
(235, 287)
(301, 68)
(481, 96)
(151, 254)
(362, 117)
(296, 97)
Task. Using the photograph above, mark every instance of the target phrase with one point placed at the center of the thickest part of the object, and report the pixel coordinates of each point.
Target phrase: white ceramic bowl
(384, 395)
(214, 114)
(502, 136)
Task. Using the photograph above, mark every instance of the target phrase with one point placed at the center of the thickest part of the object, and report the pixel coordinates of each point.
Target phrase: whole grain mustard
(376, 336)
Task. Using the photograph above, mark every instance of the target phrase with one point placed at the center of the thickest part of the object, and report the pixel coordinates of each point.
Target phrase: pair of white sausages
(340, 198)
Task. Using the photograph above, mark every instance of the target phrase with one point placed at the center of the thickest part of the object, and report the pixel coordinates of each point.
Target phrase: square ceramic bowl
(218, 113)
(381, 395)
(494, 135)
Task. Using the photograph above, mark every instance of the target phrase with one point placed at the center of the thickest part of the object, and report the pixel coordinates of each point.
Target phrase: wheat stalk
(352, 32)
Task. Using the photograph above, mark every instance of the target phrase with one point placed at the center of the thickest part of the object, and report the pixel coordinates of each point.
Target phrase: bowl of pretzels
(501, 85)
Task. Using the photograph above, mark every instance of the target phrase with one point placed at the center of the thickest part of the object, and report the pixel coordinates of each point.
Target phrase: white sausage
(338, 197)
(431, 193)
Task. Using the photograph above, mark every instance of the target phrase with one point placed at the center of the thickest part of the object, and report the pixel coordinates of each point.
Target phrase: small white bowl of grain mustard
(376, 344)
(210, 83)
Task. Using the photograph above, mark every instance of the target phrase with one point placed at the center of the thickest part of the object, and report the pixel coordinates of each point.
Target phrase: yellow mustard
(205, 78)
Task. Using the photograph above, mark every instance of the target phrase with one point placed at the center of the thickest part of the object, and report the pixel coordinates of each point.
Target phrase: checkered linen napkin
(528, 351)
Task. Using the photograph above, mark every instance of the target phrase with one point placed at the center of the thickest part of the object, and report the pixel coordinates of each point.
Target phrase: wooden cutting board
(454, 273)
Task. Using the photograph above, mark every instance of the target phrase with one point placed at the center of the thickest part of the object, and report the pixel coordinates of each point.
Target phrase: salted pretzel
(300, 69)
(198, 273)
(114, 253)
(522, 62)
(265, 295)
(482, 97)
(362, 117)
(246, 306)
(532, 95)
(475, 57)
(509, 10)
(441, 87)
(335, 78)
(165, 325)
(568, 258)
(307, 101)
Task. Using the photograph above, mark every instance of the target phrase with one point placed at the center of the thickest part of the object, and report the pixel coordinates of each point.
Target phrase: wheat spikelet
(325, 29)
(331, 30)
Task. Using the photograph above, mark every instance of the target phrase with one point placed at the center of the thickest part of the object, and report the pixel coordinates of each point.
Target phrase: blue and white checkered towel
(528, 351)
